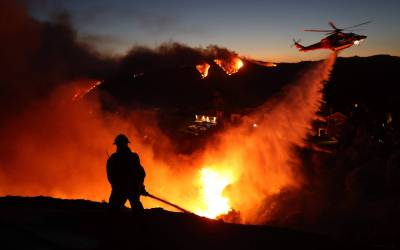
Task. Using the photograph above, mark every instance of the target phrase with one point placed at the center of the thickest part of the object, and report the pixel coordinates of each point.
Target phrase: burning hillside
(211, 182)
(60, 117)
(72, 137)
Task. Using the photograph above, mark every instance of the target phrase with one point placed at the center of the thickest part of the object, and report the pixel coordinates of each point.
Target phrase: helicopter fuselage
(336, 41)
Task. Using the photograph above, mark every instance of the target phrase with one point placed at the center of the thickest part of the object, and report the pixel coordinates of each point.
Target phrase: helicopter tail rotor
(295, 42)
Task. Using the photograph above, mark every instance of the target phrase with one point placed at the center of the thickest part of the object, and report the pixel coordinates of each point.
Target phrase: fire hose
(168, 203)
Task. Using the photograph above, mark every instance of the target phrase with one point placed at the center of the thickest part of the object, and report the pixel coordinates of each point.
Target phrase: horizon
(260, 30)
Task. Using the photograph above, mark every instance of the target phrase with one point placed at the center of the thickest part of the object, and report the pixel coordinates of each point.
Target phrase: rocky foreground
(49, 223)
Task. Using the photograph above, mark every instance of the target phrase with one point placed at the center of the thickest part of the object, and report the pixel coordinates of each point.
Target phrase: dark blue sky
(259, 29)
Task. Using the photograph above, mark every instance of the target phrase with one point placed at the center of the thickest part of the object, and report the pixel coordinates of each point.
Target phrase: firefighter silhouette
(126, 176)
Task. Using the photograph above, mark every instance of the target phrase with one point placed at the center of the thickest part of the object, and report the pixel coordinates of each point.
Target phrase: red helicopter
(336, 39)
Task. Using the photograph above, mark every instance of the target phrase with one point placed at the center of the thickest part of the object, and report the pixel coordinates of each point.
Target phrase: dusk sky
(259, 29)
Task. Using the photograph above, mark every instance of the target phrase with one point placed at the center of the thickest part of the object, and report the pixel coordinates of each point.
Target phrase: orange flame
(231, 66)
(203, 69)
(213, 184)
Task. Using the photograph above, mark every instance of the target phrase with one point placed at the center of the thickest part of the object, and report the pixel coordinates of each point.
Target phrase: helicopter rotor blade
(336, 29)
(333, 25)
(319, 30)
(354, 29)
(353, 26)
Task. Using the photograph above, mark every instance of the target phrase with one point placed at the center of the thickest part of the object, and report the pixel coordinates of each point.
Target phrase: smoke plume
(54, 143)
(38, 56)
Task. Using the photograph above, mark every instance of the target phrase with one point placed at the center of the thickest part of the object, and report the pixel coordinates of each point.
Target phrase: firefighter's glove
(143, 191)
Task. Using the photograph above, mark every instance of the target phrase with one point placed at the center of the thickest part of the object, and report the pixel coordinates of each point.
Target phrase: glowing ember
(213, 185)
(82, 92)
(230, 67)
(203, 69)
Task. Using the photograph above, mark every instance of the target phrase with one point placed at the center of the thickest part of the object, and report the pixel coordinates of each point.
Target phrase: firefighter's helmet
(121, 139)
